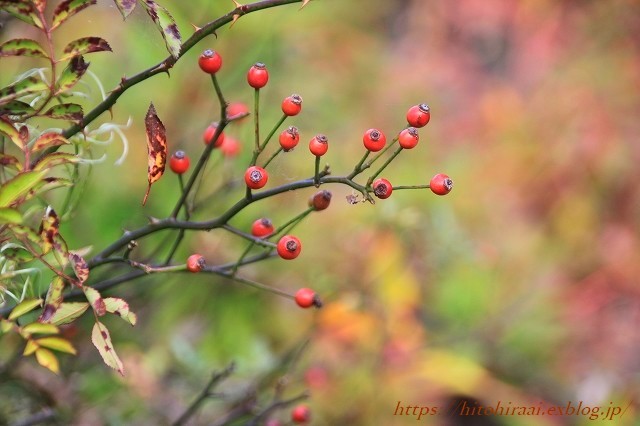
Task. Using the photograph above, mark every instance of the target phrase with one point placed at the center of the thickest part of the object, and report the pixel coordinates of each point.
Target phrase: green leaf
(72, 73)
(16, 108)
(39, 328)
(22, 47)
(120, 308)
(10, 216)
(16, 253)
(125, 7)
(18, 186)
(48, 140)
(53, 300)
(85, 45)
(57, 344)
(6, 326)
(24, 232)
(70, 112)
(9, 129)
(67, 9)
(97, 302)
(20, 88)
(48, 184)
(47, 359)
(68, 312)
(55, 159)
(24, 307)
(167, 26)
(22, 10)
(102, 341)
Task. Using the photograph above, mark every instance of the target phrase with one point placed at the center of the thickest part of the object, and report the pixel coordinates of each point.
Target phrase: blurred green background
(520, 286)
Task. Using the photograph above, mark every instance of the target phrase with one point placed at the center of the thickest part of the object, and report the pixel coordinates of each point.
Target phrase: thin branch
(216, 378)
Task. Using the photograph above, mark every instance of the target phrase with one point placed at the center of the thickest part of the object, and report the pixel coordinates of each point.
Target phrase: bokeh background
(520, 286)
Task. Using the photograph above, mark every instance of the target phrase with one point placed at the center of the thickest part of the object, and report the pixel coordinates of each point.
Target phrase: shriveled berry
(382, 188)
(289, 247)
(320, 200)
(441, 184)
(256, 177)
(207, 136)
(262, 227)
(319, 145)
(210, 61)
(408, 138)
(258, 76)
(301, 414)
(195, 263)
(179, 162)
(306, 298)
(292, 105)
(374, 140)
(289, 138)
(419, 115)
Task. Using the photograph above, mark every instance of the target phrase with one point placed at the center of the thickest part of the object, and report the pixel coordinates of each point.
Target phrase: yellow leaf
(24, 307)
(40, 328)
(30, 347)
(58, 344)
(47, 359)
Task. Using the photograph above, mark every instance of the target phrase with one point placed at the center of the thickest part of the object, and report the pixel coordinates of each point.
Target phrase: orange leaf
(156, 148)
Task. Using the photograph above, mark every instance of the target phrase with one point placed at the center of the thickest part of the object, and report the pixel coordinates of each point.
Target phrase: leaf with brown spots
(72, 73)
(69, 112)
(22, 10)
(96, 300)
(7, 127)
(22, 47)
(167, 26)
(53, 300)
(102, 341)
(156, 148)
(20, 88)
(16, 108)
(120, 308)
(85, 45)
(80, 268)
(67, 9)
(48, 140)
(125, 7)
(49, 230)
(55, 159)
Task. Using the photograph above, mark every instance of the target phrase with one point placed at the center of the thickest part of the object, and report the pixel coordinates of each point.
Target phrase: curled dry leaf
(49, 229)
(80, 268)
(156, 148)
(53, 300)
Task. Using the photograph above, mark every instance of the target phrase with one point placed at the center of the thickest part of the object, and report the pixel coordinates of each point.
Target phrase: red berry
(179, 162)
(319, 145)
(289, 138)
(210, 61)
(256, 177)
(382, 188)
(230, 147)
(289, 247)
(320, 200)
(306, 298)
(258, 75)
(292, 105)
(237, 108)
(208, 135)
(195, 263)
(262, 228)
(441, 184)
(374, 140)
(419, 115)
(408, 138)
(301, 414)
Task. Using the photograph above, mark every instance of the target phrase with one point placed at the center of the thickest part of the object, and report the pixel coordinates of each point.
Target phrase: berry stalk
(386, 163)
